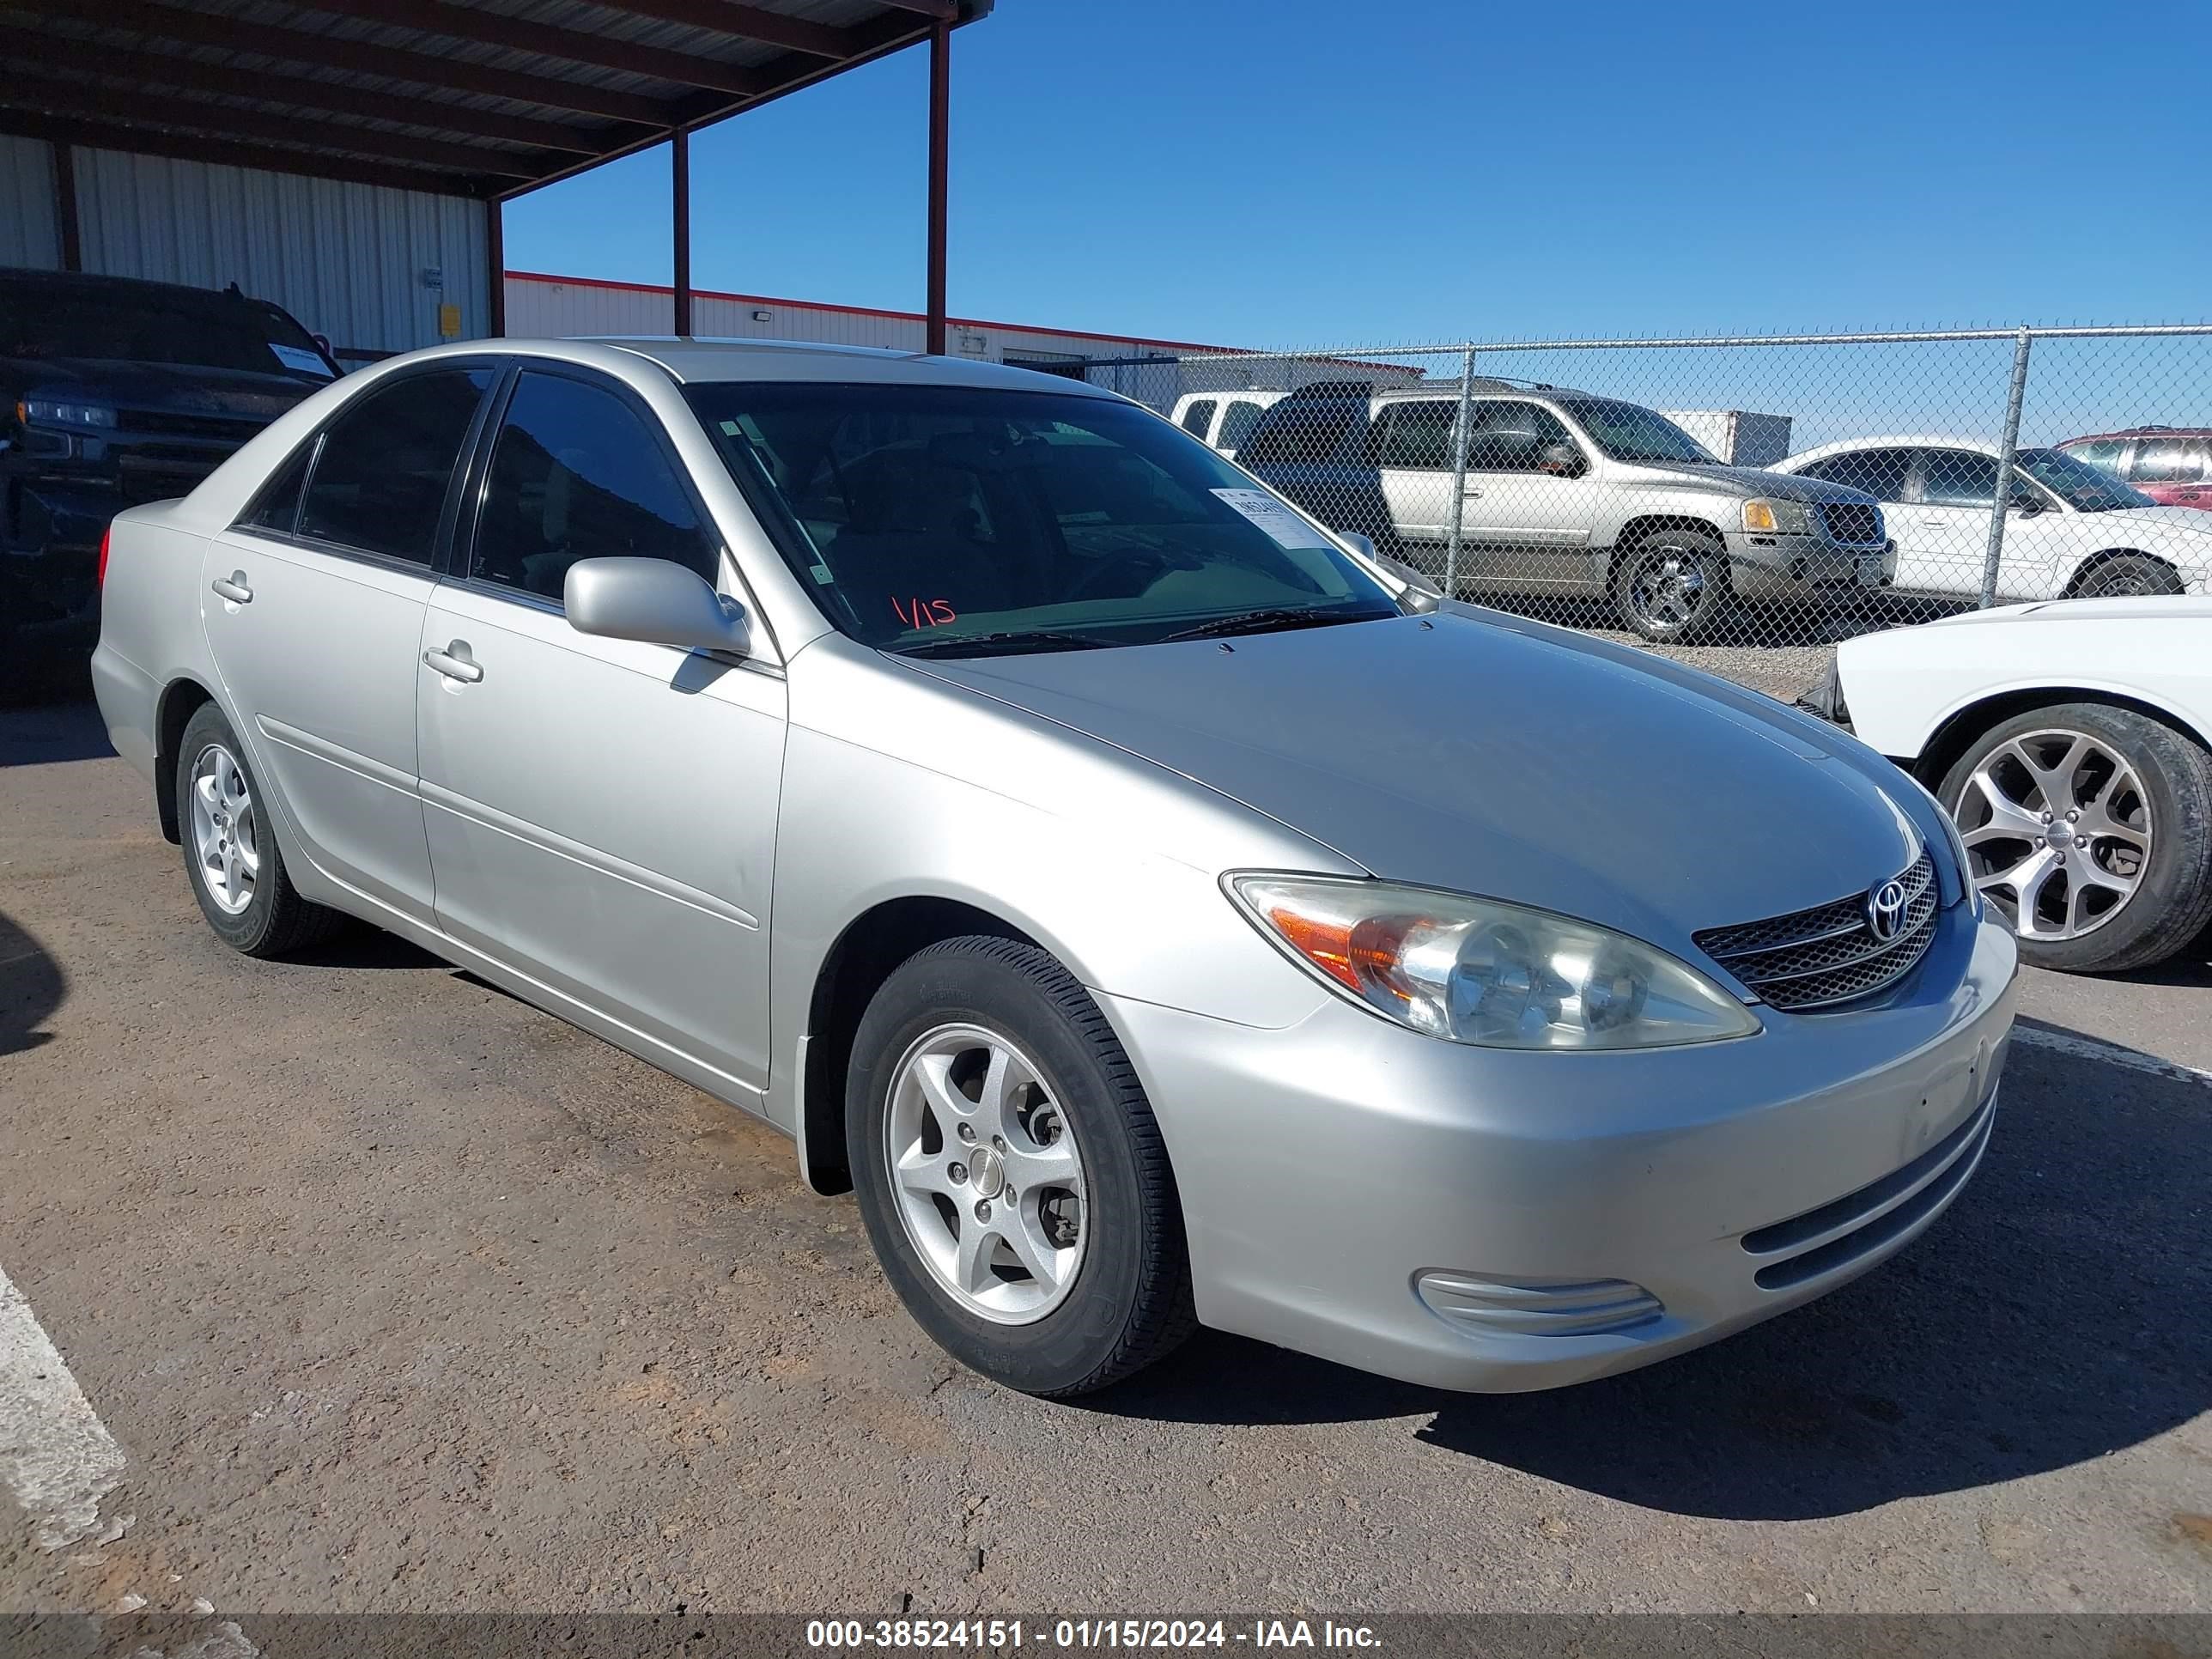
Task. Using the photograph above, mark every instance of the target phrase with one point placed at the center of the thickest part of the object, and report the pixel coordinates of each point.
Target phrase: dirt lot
(395, 1293)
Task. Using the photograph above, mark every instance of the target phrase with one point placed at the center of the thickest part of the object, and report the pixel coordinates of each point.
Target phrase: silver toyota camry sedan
(1156, 910)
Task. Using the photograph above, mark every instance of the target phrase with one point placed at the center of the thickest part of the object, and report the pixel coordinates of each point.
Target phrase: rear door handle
(233, 589)
(455, 663)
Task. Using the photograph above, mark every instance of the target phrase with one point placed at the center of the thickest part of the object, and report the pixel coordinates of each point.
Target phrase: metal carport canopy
(478, 100)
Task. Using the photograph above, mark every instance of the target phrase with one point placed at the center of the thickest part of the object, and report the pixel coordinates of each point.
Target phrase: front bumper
(1763, 566)
(1487, 1220)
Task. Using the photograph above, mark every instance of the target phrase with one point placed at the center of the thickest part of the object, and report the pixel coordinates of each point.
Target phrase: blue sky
(1270, 173)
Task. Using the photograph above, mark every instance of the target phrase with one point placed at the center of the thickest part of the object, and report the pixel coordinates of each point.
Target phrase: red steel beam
(751, 23)
(65, 222)
(940, 115)
(679, 177)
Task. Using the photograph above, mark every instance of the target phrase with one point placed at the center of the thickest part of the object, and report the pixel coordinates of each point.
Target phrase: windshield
(115, 322)
(1629, 432)
(956, 521)
(2082, 487)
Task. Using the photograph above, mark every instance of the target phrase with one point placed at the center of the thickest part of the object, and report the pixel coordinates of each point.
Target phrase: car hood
(1455, 752)
(2171, 521)
(180, 387)
(2155, 607)
(1754, 481)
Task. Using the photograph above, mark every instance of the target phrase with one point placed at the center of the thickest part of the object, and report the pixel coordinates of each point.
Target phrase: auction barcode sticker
(1287, 529)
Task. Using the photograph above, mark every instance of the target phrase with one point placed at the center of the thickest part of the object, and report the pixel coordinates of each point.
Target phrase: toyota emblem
(1885, 908)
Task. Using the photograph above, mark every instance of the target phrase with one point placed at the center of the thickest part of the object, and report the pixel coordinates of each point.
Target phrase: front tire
(2129, 575)
(230, 854)
(1011, 1174)
(2089, 828)
(1672, 586)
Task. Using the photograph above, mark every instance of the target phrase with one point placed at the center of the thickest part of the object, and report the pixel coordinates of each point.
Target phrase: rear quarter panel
(150, 635)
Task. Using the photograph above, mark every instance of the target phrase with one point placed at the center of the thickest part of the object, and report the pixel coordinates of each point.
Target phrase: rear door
(313, 604)
(601, 813)
(1412, 452)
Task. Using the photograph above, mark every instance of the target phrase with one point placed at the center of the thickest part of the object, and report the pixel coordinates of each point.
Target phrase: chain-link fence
(1763, 492)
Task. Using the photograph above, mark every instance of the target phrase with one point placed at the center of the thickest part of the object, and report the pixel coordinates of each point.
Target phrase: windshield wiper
(1267, 620)
(1005, 644)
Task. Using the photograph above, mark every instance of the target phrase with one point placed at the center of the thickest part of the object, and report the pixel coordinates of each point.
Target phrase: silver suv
(1569, 494)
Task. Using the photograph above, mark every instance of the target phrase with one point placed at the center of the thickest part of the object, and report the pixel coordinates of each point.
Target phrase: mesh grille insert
(1828, 954)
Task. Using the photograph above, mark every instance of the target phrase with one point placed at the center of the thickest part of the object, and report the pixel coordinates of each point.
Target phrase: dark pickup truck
(113, 392)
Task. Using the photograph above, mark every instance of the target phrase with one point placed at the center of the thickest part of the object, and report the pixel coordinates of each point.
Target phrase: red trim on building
(858, 311)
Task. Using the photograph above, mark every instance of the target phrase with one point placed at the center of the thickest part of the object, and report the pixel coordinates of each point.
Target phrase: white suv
(1223, 419)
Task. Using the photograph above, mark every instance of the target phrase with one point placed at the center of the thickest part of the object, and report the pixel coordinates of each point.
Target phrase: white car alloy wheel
(2058, 828)
(986, 1173)
(225, 829)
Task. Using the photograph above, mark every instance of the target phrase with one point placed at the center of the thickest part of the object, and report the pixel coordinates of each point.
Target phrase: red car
(2171, 464)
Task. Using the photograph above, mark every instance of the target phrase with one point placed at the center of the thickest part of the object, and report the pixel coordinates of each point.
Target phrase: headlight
(1478, 970)
(1778, 517)
(46, 412)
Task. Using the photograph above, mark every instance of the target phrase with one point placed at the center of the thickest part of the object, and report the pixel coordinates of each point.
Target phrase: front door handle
(233, 589)
(1470, 490)
(455, 663)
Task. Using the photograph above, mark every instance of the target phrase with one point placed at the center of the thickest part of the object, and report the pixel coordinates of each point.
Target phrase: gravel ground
(398, 1294)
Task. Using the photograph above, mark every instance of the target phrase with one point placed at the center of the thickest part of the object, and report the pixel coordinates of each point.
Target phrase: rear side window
(1198, 419)
(1237, 424)
(1880, 472)
(576, 473)
(278, 506)
(2166, 460)
(1958, 478)
(380, 481)
(1300, 430)
(1418, 435)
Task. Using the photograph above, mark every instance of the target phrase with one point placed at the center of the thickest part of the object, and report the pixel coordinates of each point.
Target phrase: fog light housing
(1481, 1304)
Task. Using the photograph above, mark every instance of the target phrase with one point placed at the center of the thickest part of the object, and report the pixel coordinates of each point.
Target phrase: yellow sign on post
(449, 322)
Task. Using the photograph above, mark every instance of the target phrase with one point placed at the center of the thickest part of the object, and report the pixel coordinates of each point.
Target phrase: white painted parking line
(56, 1454)
(2111, 1053)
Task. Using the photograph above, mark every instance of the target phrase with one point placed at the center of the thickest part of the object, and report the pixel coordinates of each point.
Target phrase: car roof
(694, 360)
(1483, 386)
(2139, 432)
(97, 282)
(1893, 441)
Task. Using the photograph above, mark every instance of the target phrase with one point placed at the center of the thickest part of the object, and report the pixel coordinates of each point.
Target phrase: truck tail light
(100, 571)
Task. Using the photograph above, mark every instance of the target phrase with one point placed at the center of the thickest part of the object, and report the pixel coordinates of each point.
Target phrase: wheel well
(1635, 530)
(2095, 560)
(1958, 733)
(864, 956)
(179, 702)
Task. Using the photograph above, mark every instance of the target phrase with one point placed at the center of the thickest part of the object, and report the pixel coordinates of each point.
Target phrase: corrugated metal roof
(482, 99)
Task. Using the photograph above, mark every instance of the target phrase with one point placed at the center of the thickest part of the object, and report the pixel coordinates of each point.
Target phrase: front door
(1529, 498)
(314, 605)
(1943, 534)
(601, 813)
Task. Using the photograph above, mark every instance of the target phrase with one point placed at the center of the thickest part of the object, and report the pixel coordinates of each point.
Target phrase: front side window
(1958, 478)
(577, 474)
(1630, 432)
(1880, 472)
(2082, 487)
(954, 520)
(1199, 418)
(379, 481)
(1517, 437)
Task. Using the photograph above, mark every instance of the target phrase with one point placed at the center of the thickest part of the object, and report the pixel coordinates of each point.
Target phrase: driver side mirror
(654, 601)
(1561, 460)
(1422, 593)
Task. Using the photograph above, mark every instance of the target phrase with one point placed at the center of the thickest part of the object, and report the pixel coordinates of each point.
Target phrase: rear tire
(2129, 575)
(231, 855)
(2150, 783)
(1672, 586)
(1084, 1189)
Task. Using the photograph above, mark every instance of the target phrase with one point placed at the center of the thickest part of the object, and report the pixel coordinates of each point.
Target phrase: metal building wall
(346, 259)
(29, 232)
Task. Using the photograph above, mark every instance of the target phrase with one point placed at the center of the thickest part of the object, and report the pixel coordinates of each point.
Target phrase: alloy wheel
(1669, 589)
(226, 830)
(986, 1173)
(2057, 829)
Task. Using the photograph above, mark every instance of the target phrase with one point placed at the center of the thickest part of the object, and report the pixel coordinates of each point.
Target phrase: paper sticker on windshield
(306, 361)
(1284, 526)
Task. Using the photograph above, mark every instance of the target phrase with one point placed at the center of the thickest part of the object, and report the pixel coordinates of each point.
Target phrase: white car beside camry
(1158, 913)
(2072, 742)
(2072, 531)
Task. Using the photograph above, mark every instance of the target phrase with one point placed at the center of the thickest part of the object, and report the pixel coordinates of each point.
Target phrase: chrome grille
(1828, 954)
(1853, 522)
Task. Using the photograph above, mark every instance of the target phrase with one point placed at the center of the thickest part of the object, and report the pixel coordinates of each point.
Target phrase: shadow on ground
(43, 734)
(32, 986)
(2054, 1315)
